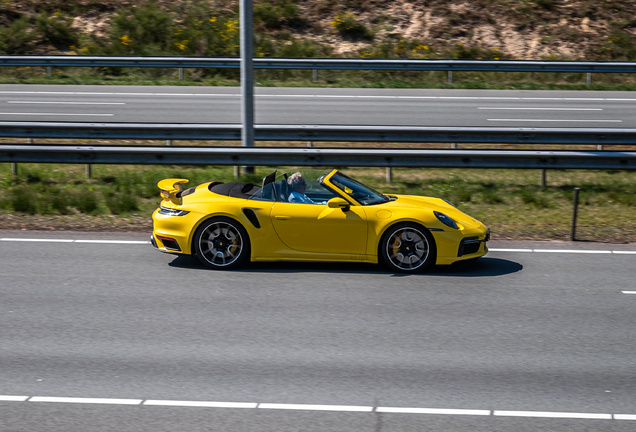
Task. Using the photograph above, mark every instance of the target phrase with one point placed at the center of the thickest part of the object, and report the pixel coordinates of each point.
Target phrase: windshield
(362, 193)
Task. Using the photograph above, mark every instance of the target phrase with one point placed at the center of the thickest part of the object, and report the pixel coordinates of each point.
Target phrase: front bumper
(459, 246)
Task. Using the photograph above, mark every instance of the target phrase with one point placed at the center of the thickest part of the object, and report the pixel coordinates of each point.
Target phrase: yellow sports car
(290, 218)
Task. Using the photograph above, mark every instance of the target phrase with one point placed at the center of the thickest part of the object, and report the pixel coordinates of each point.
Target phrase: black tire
(221, 243)
(408, 248)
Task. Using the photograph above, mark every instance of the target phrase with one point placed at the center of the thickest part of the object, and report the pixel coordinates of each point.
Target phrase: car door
(318, 228)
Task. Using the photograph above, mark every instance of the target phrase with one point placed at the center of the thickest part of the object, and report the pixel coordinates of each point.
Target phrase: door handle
(280, 217)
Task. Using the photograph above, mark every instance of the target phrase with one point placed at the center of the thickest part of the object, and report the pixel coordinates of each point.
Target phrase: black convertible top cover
(234, 189)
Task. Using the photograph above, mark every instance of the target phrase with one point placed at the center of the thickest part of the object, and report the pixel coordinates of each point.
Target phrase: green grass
(327, 78)
(511, 202)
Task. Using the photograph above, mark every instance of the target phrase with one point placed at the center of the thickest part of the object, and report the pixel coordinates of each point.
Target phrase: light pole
(247, 77)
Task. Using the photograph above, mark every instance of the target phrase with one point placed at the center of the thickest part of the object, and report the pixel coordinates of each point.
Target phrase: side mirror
(338, 203)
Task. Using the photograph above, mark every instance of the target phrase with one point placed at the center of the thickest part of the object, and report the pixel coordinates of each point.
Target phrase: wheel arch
(206, 218)
(387, 227)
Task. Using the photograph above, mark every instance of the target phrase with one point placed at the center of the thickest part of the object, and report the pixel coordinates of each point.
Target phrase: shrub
(17, 38)
(23, 201)
(57, 29)
(347, 24)
(276, 15)
(122, 202)
(85, 200)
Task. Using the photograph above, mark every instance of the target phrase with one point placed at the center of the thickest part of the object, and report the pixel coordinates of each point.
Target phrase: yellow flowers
(213, 19)
(125, 40)
(182, 45)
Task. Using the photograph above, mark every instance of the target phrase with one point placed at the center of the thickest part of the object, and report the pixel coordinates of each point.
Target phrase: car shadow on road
(482, 267)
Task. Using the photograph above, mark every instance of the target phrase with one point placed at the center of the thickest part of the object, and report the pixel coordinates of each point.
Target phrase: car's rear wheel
(221, 243)
(408, 248)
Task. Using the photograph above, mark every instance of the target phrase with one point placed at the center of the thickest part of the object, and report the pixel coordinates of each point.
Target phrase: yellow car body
(223, 220)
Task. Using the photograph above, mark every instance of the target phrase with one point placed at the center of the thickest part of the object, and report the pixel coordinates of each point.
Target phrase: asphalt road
(420, 107)
(519, 332)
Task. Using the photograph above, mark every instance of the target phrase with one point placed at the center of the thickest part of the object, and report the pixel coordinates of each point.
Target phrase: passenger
(298, 185)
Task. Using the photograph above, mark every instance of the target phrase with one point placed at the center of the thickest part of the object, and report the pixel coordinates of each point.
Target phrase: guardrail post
(310, 144)
(237, 172)
(181, 74)
(575, 208)
(314, 75)
(169, 142)
(543, 177)
(14, 169)
(453, 145)
(450, 77)
(389, 175)
(89, 171)
(599, 147)
(49, 71)
(589, 78)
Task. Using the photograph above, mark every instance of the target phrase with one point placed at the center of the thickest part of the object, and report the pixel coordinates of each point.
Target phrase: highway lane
(517, 331)
(421, 107)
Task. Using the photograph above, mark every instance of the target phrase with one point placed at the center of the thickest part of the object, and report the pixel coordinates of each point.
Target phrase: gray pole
(247, 76)
(575, 210)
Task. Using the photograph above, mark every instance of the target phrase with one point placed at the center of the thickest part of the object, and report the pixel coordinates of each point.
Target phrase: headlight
(172, 212)
(446, 220)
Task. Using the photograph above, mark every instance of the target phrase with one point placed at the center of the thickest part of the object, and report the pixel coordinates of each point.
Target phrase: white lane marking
(547, 414)
(509, 250)
(310, 407)
(628, 292)
(67, 103)
(353, 96)
(397, 410)
(37, 240)
(56, 114)
(557, 120)
(201, 404)
(13, 398)
(144, 242)
(106, 401)
(113, 241)
(540, 109)
(585, 99)
(306, 407)
(580, 251)
(624, 417)
(76, 241)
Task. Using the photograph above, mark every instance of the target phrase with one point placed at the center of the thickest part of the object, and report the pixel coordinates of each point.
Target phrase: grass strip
(511, 202)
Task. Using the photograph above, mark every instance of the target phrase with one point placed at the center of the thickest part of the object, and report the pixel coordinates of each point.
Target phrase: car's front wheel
(408, 248)
(221, 243)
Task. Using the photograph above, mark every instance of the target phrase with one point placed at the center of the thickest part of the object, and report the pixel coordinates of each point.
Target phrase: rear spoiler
(171, 189)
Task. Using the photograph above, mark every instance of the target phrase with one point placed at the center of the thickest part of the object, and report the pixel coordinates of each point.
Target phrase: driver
(298, 186)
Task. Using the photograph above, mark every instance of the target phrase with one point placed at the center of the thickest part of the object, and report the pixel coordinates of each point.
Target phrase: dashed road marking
(548, 414)
(100, 401)
(44, 240)
(311, 407)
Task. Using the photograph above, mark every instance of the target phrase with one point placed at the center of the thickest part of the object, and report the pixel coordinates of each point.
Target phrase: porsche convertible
(331, 218)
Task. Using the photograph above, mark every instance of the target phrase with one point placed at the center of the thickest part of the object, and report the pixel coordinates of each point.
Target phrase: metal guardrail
(433, 134)
(342, 64)
(269, 156)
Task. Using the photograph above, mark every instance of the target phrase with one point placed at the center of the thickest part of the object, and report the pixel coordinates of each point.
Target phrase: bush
(122, 202)
(17, 38)
(276, 15)
(85, 201)
(142, 30)
(347, 24)
(57, 29)
(23, 201)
